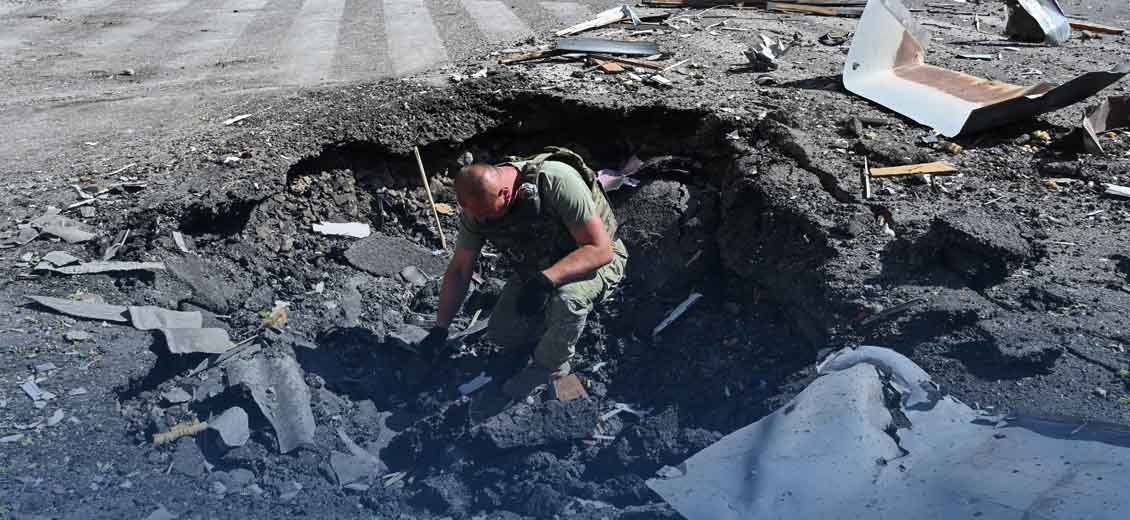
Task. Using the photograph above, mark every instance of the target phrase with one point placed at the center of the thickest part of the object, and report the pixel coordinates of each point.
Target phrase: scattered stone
(187, 341)
(279, 390)
(77, 392)
(240, 477)
(287, 496)
(188, 460)
(176, 395)
(71, 231)
(350, 468)
(414, 276)
(252, 490)
(60, 258)
(55, 418)
(984, 248)
(12, 438)
(382, 255)
(161, 514)
(92, 311)
(232, 427)
(1101, 392)
(35, 393)
(206, 390)
(525, 425)
(44, 368)
(219, 488)
(77, 336)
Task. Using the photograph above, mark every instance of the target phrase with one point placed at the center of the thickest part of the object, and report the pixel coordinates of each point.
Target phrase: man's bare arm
(456, 281)
(594, 250)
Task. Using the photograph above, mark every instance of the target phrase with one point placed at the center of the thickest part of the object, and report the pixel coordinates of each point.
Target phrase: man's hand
(531, 300)
(433, 344)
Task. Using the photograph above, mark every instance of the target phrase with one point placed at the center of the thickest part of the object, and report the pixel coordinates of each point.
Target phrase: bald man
(549, 214)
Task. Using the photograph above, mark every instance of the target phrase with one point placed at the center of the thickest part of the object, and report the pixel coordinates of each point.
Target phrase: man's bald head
(483, 190)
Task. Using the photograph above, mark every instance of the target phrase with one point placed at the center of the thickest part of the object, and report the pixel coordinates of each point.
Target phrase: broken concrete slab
(529, 425)
(35, 393)
(103, 266)
(209, 287)
(90, 311)
(76, 336)
(153, 318)
(344, 229)
(161, 514)
(188, 460)
(276, 383)
(231, 427)
(71, 231)
(382, 255)
(886, 64)
(351, 468)
(407, 337)
(191, 341)
(60, 258)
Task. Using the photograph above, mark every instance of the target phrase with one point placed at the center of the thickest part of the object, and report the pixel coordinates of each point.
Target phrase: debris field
(224, 326)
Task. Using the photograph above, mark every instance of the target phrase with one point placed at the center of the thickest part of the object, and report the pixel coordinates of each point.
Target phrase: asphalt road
(74, 72)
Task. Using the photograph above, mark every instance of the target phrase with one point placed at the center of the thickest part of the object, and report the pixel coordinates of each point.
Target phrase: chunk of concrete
(407, 337)
(530, 425)
(351, 468)
(188, 460)
(190, 341)
(103, 266)
(277, 385)
(983, 248)
(153, 318)
(232, 427)
(71, 231)
(90, 311)
(60, 258)
(161, 514)
(383, 255)
(176, 395)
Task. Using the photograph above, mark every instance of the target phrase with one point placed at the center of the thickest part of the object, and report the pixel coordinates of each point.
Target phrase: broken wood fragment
(914, 169)
(528, 56)
(630, 61)
(1084, 25)
(607, 67)
(183, 429)
(822, 10)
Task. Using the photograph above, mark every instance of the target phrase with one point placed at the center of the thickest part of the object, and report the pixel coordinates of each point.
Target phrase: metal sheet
(1114, 112)
(597, 45)
(90, 311)
(1037, 21)
(828, 454)
(886, 64)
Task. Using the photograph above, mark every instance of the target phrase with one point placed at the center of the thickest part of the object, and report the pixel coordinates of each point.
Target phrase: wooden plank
(527, 56)
(854, 12)
(629, 61)
(914, 169)
(1084, 25)
(608, 67)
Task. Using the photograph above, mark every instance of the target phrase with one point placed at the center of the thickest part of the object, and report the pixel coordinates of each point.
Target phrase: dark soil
(1009, 288)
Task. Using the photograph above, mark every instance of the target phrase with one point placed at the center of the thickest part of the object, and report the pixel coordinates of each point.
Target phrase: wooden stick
(183, 429)
(527, 56)
(1084, 25)
(912, 169)
(428, 189)
(630, 61)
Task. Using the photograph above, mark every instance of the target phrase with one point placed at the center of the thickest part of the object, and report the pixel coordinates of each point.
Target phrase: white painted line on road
(413, 42)
(225, 25)
(144, 18)
(496, 21)
(17, 29)
(568, 12)
(312, 42)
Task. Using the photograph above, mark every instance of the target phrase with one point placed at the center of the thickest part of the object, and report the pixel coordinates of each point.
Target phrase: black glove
(434, 344)
(531, 300)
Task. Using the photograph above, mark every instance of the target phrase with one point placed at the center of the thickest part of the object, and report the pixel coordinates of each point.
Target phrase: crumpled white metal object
(827, 454)
(886, 64)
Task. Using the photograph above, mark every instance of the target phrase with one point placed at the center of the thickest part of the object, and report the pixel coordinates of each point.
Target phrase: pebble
(176, 395)
(55, 418)
(78, 335)
(1101, 392)
(253, 490)
(77, 391)
(11, 438)
(289, 495)
(43, 368)
(219, 488)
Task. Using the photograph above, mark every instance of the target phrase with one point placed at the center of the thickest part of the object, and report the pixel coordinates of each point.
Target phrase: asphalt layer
(1008, 283)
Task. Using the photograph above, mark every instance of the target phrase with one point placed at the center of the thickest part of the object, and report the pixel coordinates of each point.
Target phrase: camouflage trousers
(559, 326)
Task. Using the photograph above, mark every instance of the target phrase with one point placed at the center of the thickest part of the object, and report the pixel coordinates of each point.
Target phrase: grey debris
(1101, 392)
(252, 490)
(764, 55)
(277, 385)
(232, 427)
(178, 238)
(25, 236)
(72, 231)
(176, 395)
(604, 46)
(219, 488)
(240, 477)
(91, 311)
(1117, 191)
(676, 313)
(1113, 112)
(60, 258)
(344, 229)
(188, 341)
(413, 276)
(17, 437)
(153, 318)
(44, 368)
(103, 266)
(350, 468)
(56, 418)
(35, 393)
(77, 336)
(295, 488)
(188, 460)
(75, 392)
(161, 514)
(207, 390)
(551, 422)
(407, 337)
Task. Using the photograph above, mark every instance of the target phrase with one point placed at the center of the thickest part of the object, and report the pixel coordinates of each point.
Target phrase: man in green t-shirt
(557, 226)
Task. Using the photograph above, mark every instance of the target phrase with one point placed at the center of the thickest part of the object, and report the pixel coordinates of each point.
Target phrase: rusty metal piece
(1114, 112)
(886, 64)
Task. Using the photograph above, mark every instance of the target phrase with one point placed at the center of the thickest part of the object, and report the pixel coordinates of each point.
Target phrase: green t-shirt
(563, 193)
